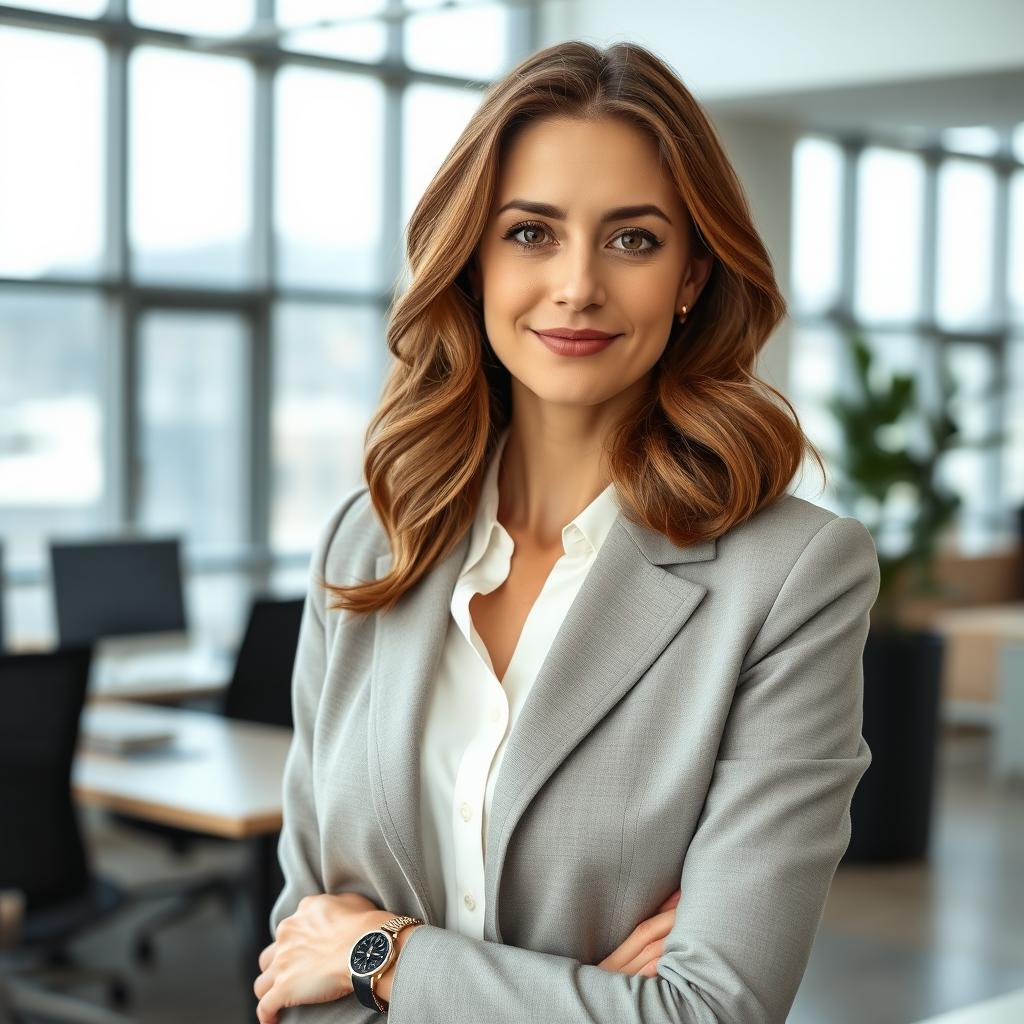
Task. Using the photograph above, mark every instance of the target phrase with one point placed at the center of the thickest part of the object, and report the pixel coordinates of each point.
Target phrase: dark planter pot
(890, 817)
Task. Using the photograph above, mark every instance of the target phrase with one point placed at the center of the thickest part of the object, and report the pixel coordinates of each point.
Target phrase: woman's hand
(306, 963)
(639, 953)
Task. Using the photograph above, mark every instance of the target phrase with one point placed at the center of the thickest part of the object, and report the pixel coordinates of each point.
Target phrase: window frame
(998, 520)
(125, 300)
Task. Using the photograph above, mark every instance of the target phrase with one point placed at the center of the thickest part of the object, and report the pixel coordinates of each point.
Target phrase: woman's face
(569, 267)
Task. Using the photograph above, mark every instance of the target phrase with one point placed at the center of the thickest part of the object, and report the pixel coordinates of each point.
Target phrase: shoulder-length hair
(705, 448)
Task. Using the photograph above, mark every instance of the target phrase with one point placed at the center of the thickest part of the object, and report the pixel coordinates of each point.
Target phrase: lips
(570, 335)
(574, 346)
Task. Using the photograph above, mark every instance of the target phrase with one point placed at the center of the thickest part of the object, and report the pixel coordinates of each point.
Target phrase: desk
(221, 777)
(144, 673)
(170, 676)
(157, 691)
(974, 638)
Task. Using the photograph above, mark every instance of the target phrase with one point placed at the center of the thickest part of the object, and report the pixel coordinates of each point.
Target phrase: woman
(578, 563)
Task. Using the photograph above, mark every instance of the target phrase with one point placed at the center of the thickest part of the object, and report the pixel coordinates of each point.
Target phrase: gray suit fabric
(696, 724)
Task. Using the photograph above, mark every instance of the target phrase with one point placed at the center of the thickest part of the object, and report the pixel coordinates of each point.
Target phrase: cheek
(512, 294)
(649, 298)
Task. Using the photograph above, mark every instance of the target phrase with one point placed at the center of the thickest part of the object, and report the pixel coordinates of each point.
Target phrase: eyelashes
(653, 246)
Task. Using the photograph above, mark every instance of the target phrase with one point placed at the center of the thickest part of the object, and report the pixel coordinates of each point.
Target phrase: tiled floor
(896, 944)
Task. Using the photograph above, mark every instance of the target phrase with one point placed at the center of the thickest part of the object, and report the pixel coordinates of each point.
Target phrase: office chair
(261, 685)
(142, 593)
(259, 691)
(19, 1002)
(42, 855)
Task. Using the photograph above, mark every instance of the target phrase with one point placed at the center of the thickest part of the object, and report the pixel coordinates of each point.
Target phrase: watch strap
(363, 989)
(396, 924)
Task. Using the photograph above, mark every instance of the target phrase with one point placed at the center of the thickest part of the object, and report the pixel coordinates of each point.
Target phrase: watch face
(369, 953)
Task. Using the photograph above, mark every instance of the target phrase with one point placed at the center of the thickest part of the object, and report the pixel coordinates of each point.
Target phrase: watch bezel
(387, 959)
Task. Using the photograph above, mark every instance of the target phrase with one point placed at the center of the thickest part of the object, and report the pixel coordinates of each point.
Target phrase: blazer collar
(626, 612)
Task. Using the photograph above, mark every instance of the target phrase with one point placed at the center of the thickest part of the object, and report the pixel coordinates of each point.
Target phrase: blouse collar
(584, 534)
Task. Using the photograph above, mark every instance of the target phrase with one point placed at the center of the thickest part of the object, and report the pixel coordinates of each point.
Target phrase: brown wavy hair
(704, 449)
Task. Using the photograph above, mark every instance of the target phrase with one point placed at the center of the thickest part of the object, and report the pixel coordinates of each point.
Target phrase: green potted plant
(891, 810)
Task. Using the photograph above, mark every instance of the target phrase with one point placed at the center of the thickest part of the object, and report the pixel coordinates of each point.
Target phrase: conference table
(149, 671)
(217, 776)
(173, 675)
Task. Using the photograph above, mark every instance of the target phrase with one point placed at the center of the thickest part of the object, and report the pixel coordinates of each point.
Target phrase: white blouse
(470, 713)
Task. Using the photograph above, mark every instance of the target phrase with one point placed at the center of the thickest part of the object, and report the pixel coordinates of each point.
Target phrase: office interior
(201, 229)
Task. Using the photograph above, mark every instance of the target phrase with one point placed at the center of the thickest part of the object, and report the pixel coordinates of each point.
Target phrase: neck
(553, 465)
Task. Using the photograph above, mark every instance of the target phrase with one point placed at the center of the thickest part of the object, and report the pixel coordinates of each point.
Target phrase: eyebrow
(555, 213)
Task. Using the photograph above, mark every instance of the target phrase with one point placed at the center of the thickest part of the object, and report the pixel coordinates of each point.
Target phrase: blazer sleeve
(299, 845)
(757, 871)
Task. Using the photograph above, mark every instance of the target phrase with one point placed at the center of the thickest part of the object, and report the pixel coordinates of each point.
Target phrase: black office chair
(259, 691)
(42, 854)
(261, 685)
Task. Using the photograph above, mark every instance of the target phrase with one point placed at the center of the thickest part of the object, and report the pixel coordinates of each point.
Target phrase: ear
(698, 269)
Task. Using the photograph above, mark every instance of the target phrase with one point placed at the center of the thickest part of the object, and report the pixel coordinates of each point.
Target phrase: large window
(190, 173)
(202, 208)
(53, 369)
(52, 96)
(920, 250)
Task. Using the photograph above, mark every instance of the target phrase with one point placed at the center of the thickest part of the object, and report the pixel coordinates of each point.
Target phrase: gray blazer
(696, 724)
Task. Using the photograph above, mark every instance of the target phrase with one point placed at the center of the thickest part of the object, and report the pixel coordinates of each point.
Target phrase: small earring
(682, 319)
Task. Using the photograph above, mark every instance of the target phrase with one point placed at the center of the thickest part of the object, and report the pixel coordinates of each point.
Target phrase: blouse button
(467, 812)
(469, 901)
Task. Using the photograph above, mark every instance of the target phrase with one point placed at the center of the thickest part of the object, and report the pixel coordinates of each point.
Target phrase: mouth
(569, 334)
(575, 346)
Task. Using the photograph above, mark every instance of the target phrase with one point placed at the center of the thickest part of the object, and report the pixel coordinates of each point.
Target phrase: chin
(586, 394)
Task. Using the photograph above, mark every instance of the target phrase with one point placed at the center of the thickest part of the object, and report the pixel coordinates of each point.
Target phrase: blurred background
(202, 208)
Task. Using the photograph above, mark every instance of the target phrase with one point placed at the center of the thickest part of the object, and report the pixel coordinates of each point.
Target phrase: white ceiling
(876, 64)
(922, 105)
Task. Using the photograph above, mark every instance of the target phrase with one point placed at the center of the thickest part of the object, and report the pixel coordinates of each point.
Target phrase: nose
(576, 279)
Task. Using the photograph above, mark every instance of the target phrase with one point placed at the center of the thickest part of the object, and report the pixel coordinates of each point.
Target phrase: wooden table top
(155, 690)
(173, 675)
(218, 776)
(176, 675)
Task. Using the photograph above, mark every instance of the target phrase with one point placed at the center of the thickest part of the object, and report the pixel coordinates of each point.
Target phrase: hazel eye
(637, 233)
(535, 228)
(639, 236)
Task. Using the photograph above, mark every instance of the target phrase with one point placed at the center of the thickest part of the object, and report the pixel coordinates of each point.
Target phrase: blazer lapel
(625, 614)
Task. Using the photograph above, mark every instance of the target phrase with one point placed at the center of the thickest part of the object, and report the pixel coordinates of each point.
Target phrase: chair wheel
(144, 952)
(118, 995)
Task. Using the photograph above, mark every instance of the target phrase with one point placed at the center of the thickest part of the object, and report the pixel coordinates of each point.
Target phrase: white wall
(731, 48)
(762, 153)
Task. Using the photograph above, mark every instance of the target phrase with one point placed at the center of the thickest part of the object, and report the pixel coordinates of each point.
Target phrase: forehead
(585, 167)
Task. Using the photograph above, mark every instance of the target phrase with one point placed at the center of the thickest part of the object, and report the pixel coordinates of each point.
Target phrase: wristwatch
(371, 955)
